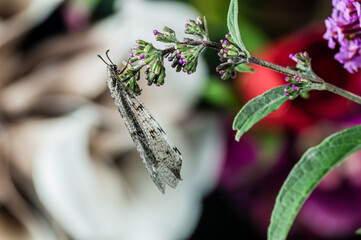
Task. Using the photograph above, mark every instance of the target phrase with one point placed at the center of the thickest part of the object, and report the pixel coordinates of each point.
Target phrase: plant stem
(342, 92)
(318, 83)
(286, 71)
(251, 59)
(207, 44)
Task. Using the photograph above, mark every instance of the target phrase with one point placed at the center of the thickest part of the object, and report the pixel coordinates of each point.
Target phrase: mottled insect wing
(161, 158)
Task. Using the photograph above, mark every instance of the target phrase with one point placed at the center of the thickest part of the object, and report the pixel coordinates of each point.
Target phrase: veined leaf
(258, 108)
(232, 23)
(306, 175)
(244, 68)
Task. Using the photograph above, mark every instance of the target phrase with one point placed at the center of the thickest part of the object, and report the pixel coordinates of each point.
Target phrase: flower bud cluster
(197, 27)
(144, 54)
(303, 62)
(130, 76)
(167, 37)
(185, 57)
(294, 86)
(230, 56)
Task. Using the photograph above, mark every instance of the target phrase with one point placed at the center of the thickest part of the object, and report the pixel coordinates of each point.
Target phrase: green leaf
(358, 231)
(232, 23)
(258, 108)
(305, 176)
(244, 68)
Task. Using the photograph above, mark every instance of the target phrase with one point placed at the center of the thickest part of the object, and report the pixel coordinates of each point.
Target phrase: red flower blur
(301, 112)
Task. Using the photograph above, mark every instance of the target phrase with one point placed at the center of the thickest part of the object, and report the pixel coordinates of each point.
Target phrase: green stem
(286, 71)
(318, 83)
(342, 92)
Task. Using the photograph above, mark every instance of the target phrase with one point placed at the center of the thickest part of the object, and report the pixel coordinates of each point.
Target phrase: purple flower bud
(286, 86)
(142, 56)
(199, 20)
(170, 59)
(155, 32)
(227, 35)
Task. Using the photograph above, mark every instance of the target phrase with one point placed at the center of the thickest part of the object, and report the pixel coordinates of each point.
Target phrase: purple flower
(344, 28)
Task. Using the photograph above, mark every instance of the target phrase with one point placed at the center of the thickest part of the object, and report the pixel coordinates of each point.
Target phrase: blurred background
(69, 169)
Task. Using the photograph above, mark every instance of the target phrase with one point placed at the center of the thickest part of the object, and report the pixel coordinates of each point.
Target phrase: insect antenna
(103, 60)
(106, 53)
(126, 65)
(112, 64)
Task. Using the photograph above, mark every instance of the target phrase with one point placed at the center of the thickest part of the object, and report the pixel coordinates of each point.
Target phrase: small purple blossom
(142, 56)
(199, 20)
(343, 28)
(286, 93)
(155, 32)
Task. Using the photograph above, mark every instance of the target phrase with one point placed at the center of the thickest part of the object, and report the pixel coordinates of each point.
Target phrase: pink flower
(344, 28)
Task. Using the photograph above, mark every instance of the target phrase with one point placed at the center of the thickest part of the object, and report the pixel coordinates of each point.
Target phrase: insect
(160, 157)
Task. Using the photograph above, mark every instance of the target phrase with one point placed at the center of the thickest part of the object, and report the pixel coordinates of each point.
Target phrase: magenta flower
(344, 28)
